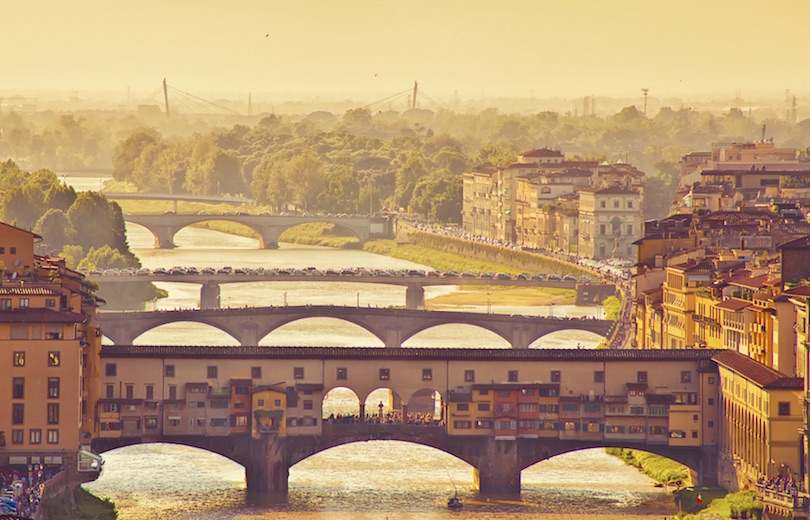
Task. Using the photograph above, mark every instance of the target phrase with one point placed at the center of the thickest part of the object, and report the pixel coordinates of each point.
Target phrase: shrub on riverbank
(82, 505)
(717, 503)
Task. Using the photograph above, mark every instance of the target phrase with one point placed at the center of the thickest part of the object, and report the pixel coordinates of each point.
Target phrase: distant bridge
(175, 197)
(414, 296)
(391, 326)
(267, 227)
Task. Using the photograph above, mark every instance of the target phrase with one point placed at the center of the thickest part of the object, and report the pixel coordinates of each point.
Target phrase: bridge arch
(215, 334)
(301, 327)
(468, 335)
(568, 338)
(357, 232)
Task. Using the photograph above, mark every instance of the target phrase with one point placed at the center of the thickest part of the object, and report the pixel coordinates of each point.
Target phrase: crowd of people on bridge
(21, 491)
(782, 484)
(393, 417)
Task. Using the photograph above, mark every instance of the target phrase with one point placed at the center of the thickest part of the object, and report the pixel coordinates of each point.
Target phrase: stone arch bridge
(391, 326)
(267, 227)
(497, 464)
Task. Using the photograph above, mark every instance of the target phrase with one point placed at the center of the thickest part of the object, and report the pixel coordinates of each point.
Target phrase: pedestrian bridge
(267, 227)
(391, 326)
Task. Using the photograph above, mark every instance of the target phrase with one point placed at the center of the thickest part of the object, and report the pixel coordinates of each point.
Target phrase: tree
(126, 153)
(73, 255)
(56, 230)
(98, 222)
(103, 257)
(407, 176)
(305, 173)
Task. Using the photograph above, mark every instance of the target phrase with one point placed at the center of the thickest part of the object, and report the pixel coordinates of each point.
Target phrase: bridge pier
(498, 471)
(414, 296)
(268, 467)
(520, 338)
(248, 334)
(164, 237)
(392, 338)
(268, 237)
(209, 295)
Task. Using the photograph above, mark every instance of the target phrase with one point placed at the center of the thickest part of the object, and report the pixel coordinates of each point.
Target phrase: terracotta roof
(542, 152)
(756, 372)
(733, 305)
(611, 190)
(39, 315)
(801, 290)
(799, 243)
(23, 290)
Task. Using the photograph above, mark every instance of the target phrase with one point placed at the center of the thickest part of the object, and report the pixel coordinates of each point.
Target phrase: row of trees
(85, 228)
(363, 161)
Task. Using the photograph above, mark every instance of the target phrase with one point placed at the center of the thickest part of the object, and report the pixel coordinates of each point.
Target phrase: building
(50, 359)
(609, 222)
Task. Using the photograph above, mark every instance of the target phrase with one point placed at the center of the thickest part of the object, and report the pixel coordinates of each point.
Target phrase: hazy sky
(358, 48)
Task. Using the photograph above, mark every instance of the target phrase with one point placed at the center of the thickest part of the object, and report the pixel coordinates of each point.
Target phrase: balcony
(783, 504)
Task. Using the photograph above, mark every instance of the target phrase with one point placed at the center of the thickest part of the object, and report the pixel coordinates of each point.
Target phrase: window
(614, 429)
(150, 422)
(694, 434)
(53, 413)
(483, 407)
(686, 376)
(570, 407)
(427, 374)
(615, 204)
(512, 376)
(630, 204)
(385, 374)
(150, 392)
(711, 380)
(635, 429)
(219, 422)
(599, 376)
(130, 391)
(50, 303)
(637, 410)
(641, 376)
(549, 408)
(53, 388)
(784, 408)
(5, 303)
(462, 425)
(17, 436)
(54, 358)
(168, 370)
(13, 250)
(211, 373)
(483, 424)
(19, 331)
(629, 229)
(18, 388)
(602, 204)
(255, 372)
(527, 407)
(710, 424)
(342, 374)
(172, 392)
(592, 407)
(308, 405)
(463, 407)
(298, 373)
(35, 436)
(556, 376)
(17, 413)
(110, 370)
(711, 401)
(220, 403)
(19, 359)
(469, 376)
(25, 303)
(677, 434)
(602, 229)
(658, 430)
(240, 420)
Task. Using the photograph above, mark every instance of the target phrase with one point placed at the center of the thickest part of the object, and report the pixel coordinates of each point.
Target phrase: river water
(369, 480)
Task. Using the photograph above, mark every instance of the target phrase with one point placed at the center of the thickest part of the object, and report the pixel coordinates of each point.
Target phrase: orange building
(50, 356)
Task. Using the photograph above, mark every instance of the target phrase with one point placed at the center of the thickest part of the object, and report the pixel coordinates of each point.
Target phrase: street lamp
(380, 406)
(489, 304)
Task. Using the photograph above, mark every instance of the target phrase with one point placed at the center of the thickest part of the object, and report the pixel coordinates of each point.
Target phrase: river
(370, 480)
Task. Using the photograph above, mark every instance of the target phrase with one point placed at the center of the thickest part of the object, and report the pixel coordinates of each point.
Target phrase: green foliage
(658, 468)
(56, 230)
(613, 307)
(73, 254)
(717, 503)
(104, 257)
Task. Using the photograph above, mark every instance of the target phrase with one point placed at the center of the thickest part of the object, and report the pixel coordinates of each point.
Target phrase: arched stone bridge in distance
(497, 464)
(267, 227)
(391, 326)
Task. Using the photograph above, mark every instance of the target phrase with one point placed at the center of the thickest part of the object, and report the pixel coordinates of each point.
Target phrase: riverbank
(82, 505)
(693, 503)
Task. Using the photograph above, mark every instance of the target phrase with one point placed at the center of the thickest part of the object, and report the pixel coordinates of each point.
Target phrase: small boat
(454, 503)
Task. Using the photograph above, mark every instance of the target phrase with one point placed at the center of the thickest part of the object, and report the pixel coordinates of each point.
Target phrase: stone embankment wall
(530, 262)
